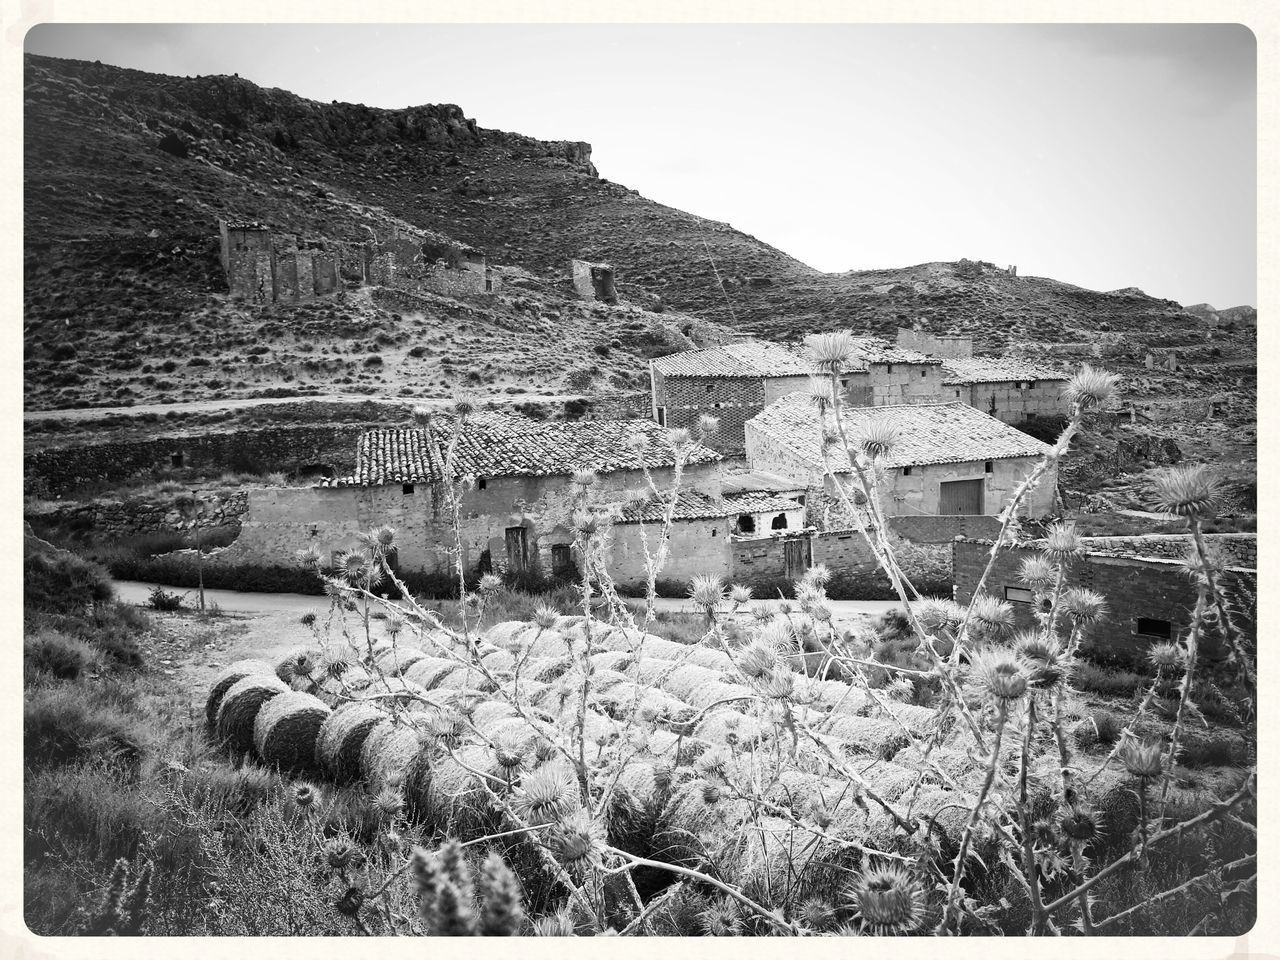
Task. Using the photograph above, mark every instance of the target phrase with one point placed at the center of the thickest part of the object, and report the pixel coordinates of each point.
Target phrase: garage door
(960, 497)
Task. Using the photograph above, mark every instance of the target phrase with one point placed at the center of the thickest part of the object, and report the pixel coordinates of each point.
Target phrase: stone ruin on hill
(594, 281)
(272, 268)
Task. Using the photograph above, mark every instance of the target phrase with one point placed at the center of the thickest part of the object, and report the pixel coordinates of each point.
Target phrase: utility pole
(190, 508)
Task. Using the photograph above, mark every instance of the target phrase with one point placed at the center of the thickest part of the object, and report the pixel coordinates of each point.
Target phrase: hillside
(127, 174)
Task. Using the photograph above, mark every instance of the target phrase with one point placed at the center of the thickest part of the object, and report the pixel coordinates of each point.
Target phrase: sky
(1104, 155)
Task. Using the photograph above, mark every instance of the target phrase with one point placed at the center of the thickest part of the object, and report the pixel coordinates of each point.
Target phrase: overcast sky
(1102, 155)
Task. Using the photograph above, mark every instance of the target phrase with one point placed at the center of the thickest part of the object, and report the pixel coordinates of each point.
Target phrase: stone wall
(594, 281)
(1005, 401)
(1132, 589)
(110, 517)
(920, 492)
(58, 470)
(761, 561)
(947, 348)
(697, 547)
(942, 529)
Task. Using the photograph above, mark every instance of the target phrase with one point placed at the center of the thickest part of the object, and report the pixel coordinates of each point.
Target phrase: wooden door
(798, 557)
(960, 497)
(517, 548)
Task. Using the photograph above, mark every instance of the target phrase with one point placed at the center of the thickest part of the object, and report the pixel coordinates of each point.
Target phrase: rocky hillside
(127, 174)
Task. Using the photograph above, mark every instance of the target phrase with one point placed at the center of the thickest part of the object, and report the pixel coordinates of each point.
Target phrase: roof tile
(995, 370)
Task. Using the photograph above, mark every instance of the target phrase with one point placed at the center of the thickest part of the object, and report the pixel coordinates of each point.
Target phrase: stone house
(513, 513)
(1149, 596)
(1008, 389)
(733, 382)
(947, 458)
(946, 347)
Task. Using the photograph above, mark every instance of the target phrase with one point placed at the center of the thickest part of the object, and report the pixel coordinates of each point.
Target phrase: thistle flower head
(586, 523)
(777, 684)
(308, 558)
(463, 408)
(990, 617)
(816, 577)
(555, 925)
(820, 396)
(547, 794)
(336, 665)
(817, 914)
(1045, 661)
(388, 803)
(356, 567)
(939, 615)
(708, 426)
(761, 613)
(340, 853)
(490, 583)
(1061, 544)
(394, 626)
(1083, 605)
(510, 750)
(1165, 656)
(678, 437)
(739, 594)
(306, 795)
(1142, 758)
(383, 537)
(1038, 573)
(830, 352)
(877, 438)
(584, 479)
(721, 919)
(710, 794)
(707, 591)
(636, 442)
(1090, 388)
(713, 763)
(889, 899)
(1079, 824)
(998, 673)
(1188, 491)
(546, 616)
(577, 840)
(757, 659)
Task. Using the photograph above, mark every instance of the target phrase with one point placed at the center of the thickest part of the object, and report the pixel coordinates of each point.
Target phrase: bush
(66, 724)
(181, 571)
(1107, 681)
(160, 600)
(57, 655)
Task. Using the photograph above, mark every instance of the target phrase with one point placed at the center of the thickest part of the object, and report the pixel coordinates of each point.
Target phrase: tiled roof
(691, 505)
(995, 370)
(494, 445)
(1238, 550)
(754, 481)
(869, 350)
(926, 432)
(747, 358)
(758, 501)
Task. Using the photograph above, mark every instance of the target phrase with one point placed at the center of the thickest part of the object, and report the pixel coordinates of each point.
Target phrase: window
(407, 489)
(561, 559)
(662, 416)
(713, 533)
(717, 404)
(1150, 627)
(957, 393)
(989, 467)
(482, 483)
(1022, 384)
(746, 523)
(779, 522)
(924, 371)
(710, 386)
(1019, 595)
(176, 460)
(906, 471)
(844, 383)
(888, 368)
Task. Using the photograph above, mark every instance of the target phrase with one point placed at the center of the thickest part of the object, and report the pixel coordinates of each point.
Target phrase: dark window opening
(1150, 627)
(888, 368)
(779, 522)
(713, 532)
(482, 483)
(924, 371)
(662, 416)
(176, 460)
(957, 393)
(746, 523)
(989, 467)
(1019, 595)
(406, 489)
(710, 386)
(906, 471)
(561, 558)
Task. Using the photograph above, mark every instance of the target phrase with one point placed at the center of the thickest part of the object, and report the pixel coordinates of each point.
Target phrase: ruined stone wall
(59, 470)
(1132, 589)
(113, 517)
(594, 281)
(947, 348)
(761, 561)
(774, 456)
(1004, 401)
(893, 383)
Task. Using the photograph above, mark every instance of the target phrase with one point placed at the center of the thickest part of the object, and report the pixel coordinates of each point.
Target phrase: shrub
(59, 656)
(160, 600)
(66, 724)
(1107, 681)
